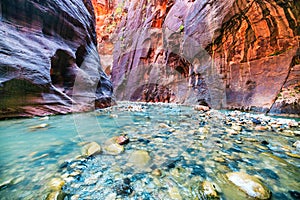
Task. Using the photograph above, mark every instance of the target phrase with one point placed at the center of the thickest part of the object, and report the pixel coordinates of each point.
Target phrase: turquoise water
(188, 147)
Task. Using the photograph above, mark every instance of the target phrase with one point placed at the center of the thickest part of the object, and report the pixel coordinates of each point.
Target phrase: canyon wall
(49, 62)
(240, 54)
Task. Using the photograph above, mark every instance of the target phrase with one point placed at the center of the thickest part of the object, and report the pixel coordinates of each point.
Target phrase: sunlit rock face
(227, 54)
(48, 58)
(108, 15)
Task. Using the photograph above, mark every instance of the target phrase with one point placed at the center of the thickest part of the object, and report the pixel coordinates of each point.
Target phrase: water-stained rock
(112, 147)
(56, 184)
(91, 149)
(225, 54)
(139, 158)
(48, 60)
(209, 190)
(251, 185)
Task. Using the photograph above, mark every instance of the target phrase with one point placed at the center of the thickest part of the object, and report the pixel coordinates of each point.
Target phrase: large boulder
(48, 59)
(250, 185)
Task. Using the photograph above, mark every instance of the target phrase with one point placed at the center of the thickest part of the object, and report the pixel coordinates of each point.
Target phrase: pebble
(203, 130)
(121, 140)
(6, 183)
(56, 184)
(92, 148)
(55, 195)
(232, 132)
(40, 157)
(250, 139)
(236, 128)
(113, 116)
(163, 125)
(287, 133)
(40, 126)
(297, 144)
(238, 141)
(174, 193)
(139, 158)
(260, 128)
(251, 185)
(219, 159)
(112, 147)
(156, 172)
(297, 133)
(209, 189)
(44, 118)
(201, 108)
(293, 155)
(261, 147)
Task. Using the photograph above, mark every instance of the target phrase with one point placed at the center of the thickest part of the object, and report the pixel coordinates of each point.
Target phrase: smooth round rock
(121, 140)
(92, 149)
(251, 185)
(114, 149)
(56, 184)
(56, 195)
(261, 128)
(201, 108)
(297, 144)
(139, 158)
(236, 128)
(209, 190)
(156, 172)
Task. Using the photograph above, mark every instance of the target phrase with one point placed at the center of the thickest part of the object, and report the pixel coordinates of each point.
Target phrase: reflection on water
(185, 148)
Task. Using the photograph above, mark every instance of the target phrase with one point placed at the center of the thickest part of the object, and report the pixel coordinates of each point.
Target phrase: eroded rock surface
(225, 54)
(48, 58)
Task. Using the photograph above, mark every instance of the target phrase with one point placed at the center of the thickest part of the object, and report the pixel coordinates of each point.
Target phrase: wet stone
(91, 149)
(174, 193)
(139, 158)
(293, 155)
(251, 185)
(264, 142)
(156, 172)
(297, 133)
(123, 189)
(209, 190)
(113, 148)
(256, 121)
(56, 195)
(297, 144)
(121, 140)
(261, 128)
(56, 184)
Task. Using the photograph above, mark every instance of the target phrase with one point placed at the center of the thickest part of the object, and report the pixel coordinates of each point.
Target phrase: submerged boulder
(112, 147)
(250, 185)
(139, 158)
(91, 149)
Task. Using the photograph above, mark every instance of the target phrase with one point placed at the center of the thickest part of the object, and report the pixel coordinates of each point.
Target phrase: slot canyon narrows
(149, 99)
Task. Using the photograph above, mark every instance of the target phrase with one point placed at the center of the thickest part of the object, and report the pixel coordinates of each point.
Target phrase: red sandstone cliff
(228, 54)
